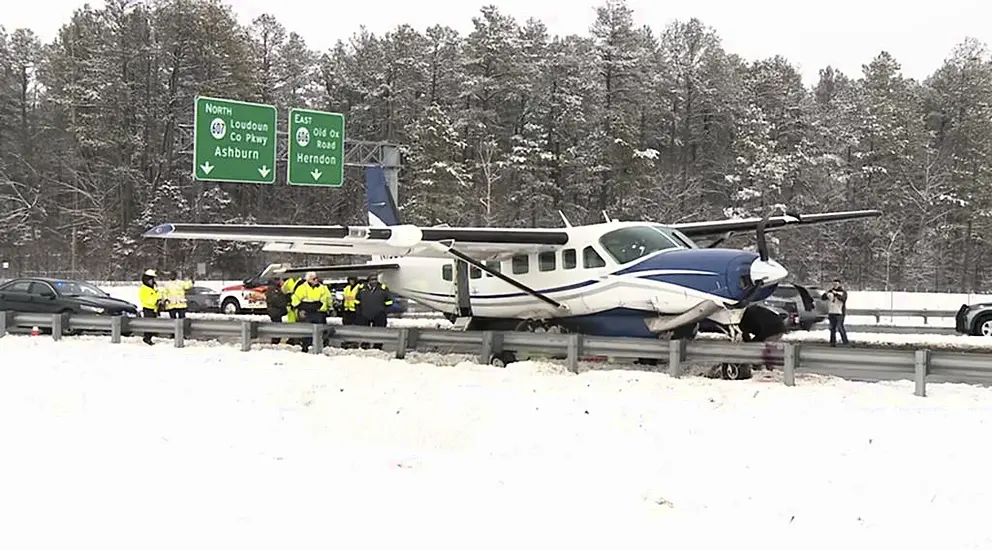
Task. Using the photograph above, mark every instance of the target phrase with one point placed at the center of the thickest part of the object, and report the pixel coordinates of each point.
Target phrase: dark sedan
(201, 299)
(43, 295)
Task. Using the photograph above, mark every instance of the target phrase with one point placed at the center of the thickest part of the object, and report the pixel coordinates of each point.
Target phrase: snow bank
(128, 446)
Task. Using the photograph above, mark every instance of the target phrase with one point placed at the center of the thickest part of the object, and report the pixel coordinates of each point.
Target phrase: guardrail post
(6, 319)
(248, 333)
(922, 367)
(179, 332)
(574, 352)
(116, 327)
(57, 320)
(401, 343)
(317, 347)
(488, 347)
(676, 352)
(790, 356)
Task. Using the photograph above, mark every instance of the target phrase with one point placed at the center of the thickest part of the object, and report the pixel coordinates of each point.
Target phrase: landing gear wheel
(502, 359)
(735, 371)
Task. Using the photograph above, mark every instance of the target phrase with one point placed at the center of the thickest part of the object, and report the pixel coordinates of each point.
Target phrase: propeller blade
(762, 243)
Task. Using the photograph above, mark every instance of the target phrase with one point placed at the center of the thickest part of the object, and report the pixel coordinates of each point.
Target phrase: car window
(38, 288)
(16, 286)
(78, 288)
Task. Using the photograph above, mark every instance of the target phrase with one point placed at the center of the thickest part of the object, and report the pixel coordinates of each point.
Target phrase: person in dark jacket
(836, 299)
(373, 300)
(276, 303)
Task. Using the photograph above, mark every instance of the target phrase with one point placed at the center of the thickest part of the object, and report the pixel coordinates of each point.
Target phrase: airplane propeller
(760, 236)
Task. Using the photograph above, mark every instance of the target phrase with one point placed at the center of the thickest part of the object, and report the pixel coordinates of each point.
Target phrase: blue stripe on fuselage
(721, 269)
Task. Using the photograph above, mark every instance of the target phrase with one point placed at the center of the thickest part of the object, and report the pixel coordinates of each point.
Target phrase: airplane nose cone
(768, 271)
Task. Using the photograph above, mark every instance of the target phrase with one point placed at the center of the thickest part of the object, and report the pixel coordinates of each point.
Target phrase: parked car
(974, 319)
(44, 295)
(201, 299)
(806, 305)
(798, 306)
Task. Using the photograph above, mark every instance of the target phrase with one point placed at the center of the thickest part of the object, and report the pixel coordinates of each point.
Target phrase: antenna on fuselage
(564, 219)
(607, 217)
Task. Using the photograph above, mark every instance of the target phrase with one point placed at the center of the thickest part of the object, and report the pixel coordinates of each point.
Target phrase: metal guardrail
(861, 363)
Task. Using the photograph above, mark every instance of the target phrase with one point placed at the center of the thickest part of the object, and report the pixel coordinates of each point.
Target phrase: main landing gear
(759, 324)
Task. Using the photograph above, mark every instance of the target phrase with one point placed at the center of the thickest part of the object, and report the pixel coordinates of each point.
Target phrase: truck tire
(230, 307)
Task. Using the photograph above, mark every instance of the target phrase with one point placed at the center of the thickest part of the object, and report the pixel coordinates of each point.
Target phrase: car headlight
(92, 309)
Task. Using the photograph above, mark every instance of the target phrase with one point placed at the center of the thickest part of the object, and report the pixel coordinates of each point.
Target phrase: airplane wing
(398, 240)
(721, 227)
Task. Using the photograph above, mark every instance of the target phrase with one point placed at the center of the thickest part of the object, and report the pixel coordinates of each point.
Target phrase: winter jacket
(836, 301)
(373, 300)
(276, 301)
(148, 296)
(174, 293)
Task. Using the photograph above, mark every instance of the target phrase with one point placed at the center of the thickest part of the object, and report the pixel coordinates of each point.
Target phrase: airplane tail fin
(382, 209)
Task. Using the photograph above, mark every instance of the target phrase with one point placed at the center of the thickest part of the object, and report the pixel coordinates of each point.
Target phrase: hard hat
(150, 273)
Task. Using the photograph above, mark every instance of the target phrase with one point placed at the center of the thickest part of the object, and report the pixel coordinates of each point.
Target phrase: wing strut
(509, 280)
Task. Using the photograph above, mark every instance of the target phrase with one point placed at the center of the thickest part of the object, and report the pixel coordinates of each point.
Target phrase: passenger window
(591, 259)
(546, 261)
(21, 286)
(38, 288)
(474, 272)
(520, 264)
(568, 259)
(493, 266)
(446, 272)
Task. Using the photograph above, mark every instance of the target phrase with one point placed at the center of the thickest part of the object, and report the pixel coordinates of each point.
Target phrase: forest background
(503, 126)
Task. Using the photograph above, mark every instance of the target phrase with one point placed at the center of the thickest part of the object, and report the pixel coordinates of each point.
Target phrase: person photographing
(836, 299)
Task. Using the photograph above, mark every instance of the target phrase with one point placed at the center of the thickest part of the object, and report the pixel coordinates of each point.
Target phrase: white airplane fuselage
(609, 278)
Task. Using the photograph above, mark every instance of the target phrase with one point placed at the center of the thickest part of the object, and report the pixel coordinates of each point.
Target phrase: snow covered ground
(124, 446)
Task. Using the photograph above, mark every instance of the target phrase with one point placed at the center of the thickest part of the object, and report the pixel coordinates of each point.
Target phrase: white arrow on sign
(207, 167)
(264, 171)
(316, 174)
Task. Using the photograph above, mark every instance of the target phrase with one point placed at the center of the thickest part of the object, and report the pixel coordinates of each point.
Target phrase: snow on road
(126, 446)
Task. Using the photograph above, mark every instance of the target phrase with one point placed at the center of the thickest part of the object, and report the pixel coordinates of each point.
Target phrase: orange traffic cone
(35, 331)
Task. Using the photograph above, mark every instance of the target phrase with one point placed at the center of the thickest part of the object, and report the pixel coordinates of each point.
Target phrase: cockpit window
(679, 236)
(631, 243)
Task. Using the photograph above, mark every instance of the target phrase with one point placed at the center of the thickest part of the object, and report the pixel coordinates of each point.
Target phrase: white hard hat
(150, 273)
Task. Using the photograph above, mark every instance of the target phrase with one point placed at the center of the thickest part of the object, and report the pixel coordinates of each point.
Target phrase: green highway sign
(316, 150)
(234, 141)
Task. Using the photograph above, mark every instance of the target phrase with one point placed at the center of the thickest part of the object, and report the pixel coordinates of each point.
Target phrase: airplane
(615, 278)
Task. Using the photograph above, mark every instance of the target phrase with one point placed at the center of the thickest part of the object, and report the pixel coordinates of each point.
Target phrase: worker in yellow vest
(350, 301)
(349, 315)
(312, 300)
(174, 293)
(150, 300)
(289, 287)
